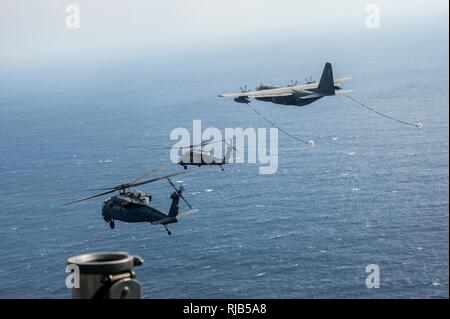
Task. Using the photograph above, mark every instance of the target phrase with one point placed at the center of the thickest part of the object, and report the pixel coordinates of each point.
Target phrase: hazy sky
(36, 28)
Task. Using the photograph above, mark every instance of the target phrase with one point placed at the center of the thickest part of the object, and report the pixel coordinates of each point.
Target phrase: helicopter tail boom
(165, 221)
(173, 211)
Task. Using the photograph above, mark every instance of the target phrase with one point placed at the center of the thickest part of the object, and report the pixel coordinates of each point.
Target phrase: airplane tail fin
(326, 84)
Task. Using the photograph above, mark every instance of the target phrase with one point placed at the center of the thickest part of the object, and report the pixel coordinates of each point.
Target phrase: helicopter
(199, 157)
(134, 206)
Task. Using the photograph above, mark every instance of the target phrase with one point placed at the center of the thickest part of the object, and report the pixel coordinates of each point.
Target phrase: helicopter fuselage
(199, 158)
(133, 208)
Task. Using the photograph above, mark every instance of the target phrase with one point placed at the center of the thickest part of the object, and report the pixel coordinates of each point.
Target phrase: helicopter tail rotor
(178, 192)
(230, 145)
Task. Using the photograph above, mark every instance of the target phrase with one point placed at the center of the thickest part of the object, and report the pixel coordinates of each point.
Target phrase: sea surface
(372, 191)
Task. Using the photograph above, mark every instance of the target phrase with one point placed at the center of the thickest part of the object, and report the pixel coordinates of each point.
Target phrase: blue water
(371, 192)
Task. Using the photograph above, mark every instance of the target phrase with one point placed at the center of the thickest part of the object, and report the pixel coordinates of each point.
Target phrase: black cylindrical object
(106, 276)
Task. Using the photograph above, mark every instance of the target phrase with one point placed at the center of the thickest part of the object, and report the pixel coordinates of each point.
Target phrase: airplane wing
(261, 93)
(284, 91)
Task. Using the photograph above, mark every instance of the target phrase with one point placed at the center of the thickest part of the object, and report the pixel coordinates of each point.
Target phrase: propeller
(179, 191)
(310, 80)
(123, 187)
(244, 89)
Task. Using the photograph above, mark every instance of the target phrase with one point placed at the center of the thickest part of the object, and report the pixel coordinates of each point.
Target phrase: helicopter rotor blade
(155, 179)
(122, 187)
(79, 191)
(179, 193)
(138, 183)
(204, 142)
(215, 142)
(137, 179)
(89, 197)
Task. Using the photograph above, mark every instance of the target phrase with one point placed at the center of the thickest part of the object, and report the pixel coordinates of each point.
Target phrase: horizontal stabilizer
(340, 80)
(312, 96)
(187, 213)
(163, 221)
(344, 91)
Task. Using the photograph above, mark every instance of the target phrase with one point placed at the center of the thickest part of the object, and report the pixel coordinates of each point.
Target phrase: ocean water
(371, 192)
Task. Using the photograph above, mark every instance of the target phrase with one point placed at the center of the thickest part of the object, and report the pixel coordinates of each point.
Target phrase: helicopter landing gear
(221, 168)
(167, 230)
(112, 224)
(185, 166)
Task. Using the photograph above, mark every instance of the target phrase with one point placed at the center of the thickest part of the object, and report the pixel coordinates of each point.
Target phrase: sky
(36, 29)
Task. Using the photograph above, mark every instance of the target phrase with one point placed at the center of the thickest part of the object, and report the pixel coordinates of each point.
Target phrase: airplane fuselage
(294, 94)
(287, 100)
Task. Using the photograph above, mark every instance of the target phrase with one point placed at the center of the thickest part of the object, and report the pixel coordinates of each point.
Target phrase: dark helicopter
(134, 206)
(197, 156)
